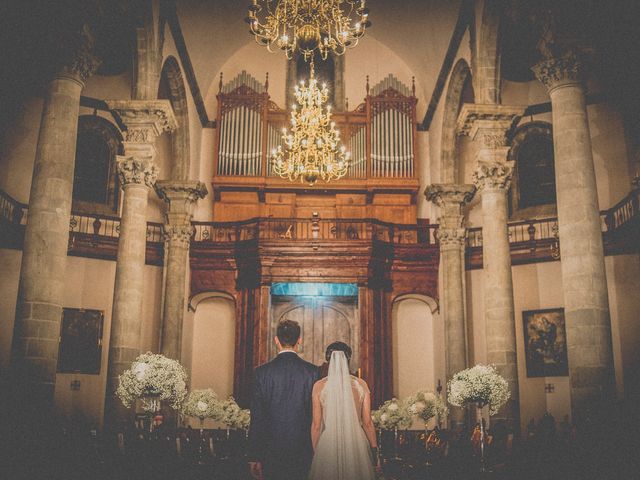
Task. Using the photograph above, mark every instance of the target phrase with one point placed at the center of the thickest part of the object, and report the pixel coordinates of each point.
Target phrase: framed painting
(545, 343)
(80, 341)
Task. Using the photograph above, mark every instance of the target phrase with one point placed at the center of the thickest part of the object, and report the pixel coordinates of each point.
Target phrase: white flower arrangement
(232, 416)
(392, 414)
(202, 404)
(426, 405)
(152, 378)
(480, 385)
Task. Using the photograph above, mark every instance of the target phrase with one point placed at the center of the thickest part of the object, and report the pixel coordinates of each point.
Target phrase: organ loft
(455, 184)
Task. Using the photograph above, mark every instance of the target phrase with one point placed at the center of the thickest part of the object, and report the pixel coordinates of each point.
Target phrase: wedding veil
(343, 450)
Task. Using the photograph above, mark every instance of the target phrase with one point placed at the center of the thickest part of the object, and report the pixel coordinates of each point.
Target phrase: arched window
(534, 186)
(95, 183)
(329, 71)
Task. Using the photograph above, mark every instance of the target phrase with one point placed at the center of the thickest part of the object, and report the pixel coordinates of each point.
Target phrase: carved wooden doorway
(323, 320)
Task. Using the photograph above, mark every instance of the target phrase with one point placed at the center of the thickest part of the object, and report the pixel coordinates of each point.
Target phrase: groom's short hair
(288, 333)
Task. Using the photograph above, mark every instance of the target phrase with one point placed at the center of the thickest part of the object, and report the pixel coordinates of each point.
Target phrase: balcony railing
(313, 229)
(95, 235)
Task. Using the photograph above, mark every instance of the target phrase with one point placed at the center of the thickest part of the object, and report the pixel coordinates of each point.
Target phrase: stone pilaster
(39, 305)
(181, 197)
(145, 120)
(451, 236)
(584, 280)
(488, 124)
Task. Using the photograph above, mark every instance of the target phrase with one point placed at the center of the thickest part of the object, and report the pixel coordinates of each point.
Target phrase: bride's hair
(338, 347)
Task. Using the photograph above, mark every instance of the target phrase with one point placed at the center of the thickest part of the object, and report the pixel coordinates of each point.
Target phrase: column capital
(180, 197)
(145, 119)
(79, 61)
(560, 71)
(181, 193)
(450, 193)
(493, 176)
(178, 235)
(451, 198)
(488, 123)
(134, 170)
(451, 237)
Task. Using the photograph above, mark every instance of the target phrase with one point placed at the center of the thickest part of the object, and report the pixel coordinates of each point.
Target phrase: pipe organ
(379, 133)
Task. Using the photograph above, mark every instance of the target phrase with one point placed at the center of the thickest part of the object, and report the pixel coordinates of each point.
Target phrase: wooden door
(323, 320)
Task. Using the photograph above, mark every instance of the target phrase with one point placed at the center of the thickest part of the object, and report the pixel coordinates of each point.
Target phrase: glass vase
(483, 461)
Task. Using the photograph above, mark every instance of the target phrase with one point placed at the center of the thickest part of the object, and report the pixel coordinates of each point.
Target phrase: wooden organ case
(359, 230)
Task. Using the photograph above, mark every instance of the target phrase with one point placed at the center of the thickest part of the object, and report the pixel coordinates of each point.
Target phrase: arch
(459, 81)
(199, 297)
(172, 88)
(486, 55)
(432, 303)
(413, 333)
(95, 183)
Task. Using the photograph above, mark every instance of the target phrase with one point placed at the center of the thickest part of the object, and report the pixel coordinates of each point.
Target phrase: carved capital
(449, 193)
(177, 193)
(133, 170)
(178, 235)
(451, 198)
(559, 71)
(180, 197)
(488, 123)
(451, 237)
(145, 119)
(493, 176)
(76, 54)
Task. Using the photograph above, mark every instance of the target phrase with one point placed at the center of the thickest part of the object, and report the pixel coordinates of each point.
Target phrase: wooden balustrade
(96, 236)
(313, 229)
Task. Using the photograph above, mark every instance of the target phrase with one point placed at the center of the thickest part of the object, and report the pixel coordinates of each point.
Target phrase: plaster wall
(213, 333)
(90, 285)
(539, 286)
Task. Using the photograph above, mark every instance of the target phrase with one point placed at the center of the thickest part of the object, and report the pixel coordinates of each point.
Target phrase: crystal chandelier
(311, 149)
(308, 25)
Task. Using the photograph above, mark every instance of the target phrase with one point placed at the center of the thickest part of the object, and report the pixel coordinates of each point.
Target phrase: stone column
(34, 354)
(451, 236)
(584, 281)
(488, 124)
(181, 197)
(145, 120)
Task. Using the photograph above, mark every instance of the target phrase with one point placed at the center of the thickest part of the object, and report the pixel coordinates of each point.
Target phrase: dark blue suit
(280, 431)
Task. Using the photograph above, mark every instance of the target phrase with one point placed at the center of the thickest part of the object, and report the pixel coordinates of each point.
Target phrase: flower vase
(201, 443)
(483, 462)
(426, 444)
(396, 438)
(379, 432)
(151, 406)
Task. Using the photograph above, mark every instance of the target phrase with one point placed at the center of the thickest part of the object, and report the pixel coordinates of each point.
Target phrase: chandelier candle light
(311, 149)
(308, 25)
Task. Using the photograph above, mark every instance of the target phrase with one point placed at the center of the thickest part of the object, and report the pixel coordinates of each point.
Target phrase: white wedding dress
(342, 451)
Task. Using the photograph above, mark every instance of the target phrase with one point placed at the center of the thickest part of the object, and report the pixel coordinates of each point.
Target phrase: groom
(279, 435)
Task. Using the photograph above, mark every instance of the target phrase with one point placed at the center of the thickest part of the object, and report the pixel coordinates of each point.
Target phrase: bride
(342, 433)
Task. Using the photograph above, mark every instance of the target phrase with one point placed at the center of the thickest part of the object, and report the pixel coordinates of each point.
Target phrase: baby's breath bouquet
(202, 404)
(230, 413)
(480, 385)
(153, 378)
(426, 405)
(243, 420)
(391, 415)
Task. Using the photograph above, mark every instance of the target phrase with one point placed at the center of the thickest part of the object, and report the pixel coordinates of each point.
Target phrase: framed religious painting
(80, 341)
(545, 343)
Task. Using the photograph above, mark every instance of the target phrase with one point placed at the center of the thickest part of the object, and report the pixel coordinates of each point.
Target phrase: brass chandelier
(308, 25)
(312, 148)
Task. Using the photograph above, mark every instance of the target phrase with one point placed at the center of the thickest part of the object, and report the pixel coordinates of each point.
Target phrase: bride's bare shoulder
(319, 385)
(362, 383)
